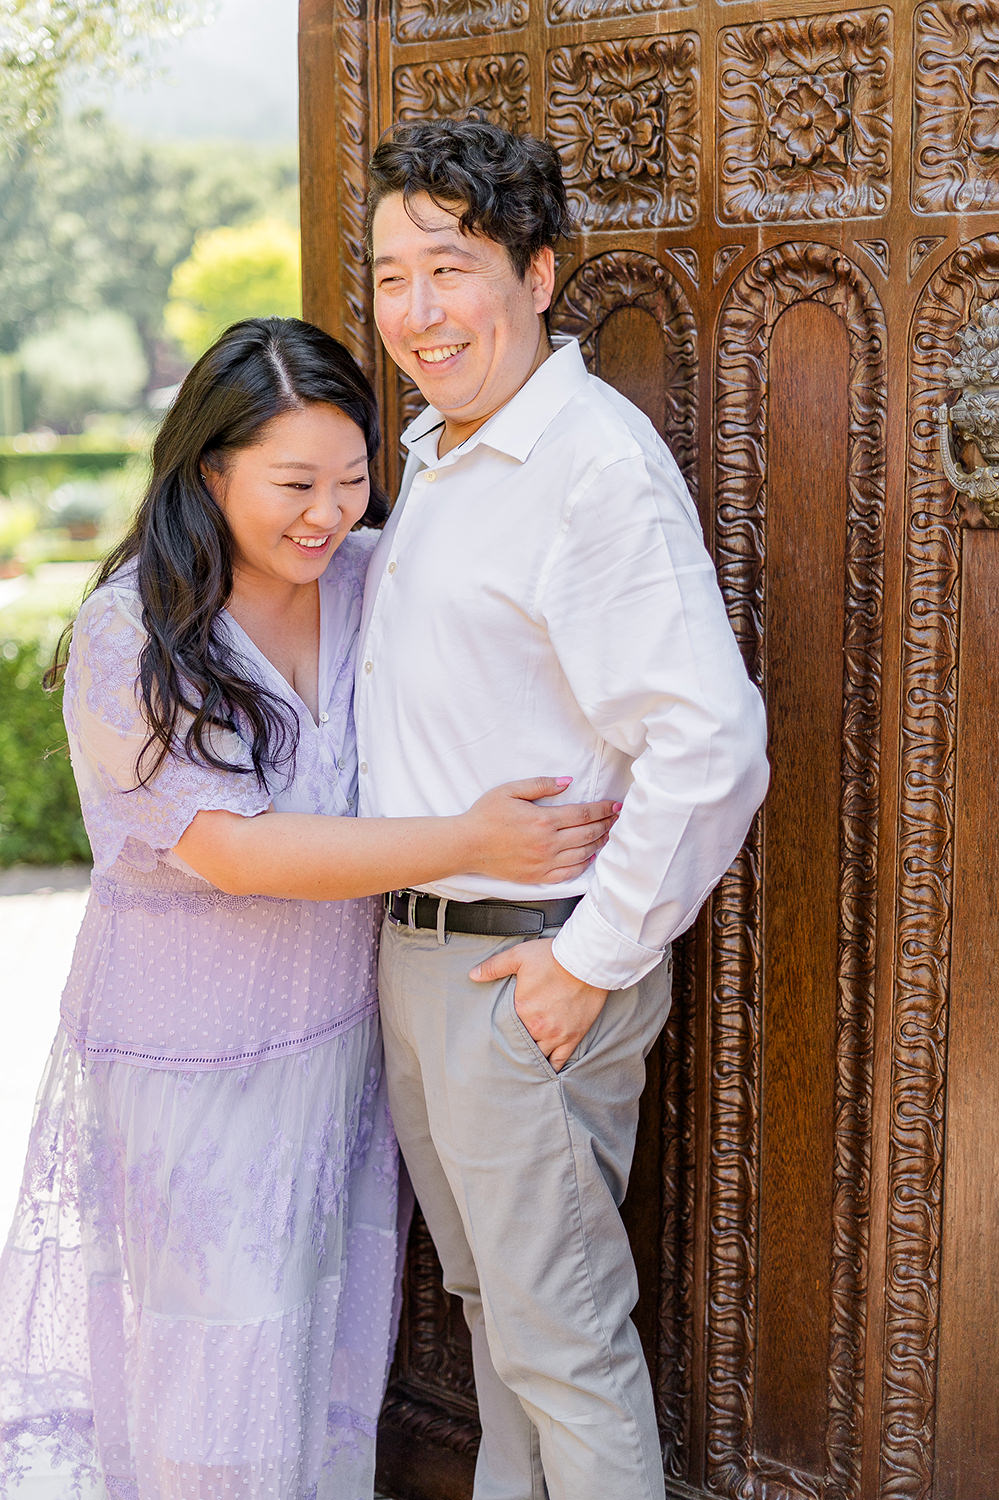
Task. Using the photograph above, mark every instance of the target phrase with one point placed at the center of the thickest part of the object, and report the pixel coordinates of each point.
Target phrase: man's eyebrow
(445, 247)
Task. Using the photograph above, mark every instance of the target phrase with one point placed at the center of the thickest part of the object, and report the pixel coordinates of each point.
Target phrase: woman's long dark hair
(183, 549)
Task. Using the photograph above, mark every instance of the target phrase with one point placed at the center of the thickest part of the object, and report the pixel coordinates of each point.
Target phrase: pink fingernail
(563, 781)
(618, 806)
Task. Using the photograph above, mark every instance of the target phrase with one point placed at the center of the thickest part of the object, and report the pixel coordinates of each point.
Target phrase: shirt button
(430, 475)
(392, 567)
(324, 718)
(368, 666)
(363, 768)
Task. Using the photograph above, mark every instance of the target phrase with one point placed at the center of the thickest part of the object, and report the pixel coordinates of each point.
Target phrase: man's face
(452, 311)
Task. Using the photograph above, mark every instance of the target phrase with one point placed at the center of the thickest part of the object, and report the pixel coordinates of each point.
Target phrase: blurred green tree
(232, 273)
(85, 362)
(98, 220)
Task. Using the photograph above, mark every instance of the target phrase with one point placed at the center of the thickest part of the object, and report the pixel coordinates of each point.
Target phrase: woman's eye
(298, 484)
(353, 483)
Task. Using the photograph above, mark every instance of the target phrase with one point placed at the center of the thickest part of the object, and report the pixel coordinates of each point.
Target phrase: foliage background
(104, 195)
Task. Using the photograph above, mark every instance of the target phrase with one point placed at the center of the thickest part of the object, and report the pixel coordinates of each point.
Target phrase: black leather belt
(484, 918)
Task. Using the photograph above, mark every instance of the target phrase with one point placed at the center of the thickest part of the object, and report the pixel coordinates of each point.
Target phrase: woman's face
(291, 498)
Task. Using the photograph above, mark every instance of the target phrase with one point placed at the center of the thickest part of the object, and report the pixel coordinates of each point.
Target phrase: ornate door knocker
(975, 415)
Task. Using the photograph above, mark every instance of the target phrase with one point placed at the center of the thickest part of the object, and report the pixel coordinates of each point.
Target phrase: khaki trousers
(520, 1172)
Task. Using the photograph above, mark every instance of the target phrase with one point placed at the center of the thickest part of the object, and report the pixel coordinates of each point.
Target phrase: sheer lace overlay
(197, 1295)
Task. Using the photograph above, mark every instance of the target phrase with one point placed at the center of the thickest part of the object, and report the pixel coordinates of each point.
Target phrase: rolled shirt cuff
(597, 954)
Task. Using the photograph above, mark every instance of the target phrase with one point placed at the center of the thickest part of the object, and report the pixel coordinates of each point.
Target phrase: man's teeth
(434, 356)
(310, 541)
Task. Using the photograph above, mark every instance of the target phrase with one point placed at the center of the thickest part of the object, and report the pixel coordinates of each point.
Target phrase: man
(540, 602)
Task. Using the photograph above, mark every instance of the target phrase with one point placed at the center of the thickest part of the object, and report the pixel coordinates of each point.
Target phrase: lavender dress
(197, 1296)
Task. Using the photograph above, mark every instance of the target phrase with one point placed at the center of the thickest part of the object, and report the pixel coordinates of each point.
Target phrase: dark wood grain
(806, 547)
(967, 1446)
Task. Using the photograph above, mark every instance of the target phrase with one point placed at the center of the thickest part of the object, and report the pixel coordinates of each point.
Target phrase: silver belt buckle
(390, 915)
(411, 913)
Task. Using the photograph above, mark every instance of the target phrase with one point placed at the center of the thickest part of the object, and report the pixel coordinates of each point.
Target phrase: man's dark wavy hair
(509, 187)
(182, 548)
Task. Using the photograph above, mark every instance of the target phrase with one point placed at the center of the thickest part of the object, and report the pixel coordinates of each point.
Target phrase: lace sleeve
(107, 731)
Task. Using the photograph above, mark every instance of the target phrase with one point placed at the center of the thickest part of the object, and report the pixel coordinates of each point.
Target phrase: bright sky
(234, 78)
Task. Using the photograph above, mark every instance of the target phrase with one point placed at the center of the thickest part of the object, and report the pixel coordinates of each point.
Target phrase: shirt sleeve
(632, 606)
(107, 731)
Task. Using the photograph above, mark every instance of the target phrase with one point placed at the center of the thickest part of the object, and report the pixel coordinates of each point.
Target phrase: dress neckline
(322, 669)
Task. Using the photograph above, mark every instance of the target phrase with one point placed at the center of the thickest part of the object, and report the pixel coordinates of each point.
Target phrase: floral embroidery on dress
(200, 1212)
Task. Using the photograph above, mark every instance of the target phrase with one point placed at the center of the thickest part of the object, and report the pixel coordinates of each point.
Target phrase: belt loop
(442, 934)
(411, 914)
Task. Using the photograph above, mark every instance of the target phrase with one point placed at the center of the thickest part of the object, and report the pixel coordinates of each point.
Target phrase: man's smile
(439, 354)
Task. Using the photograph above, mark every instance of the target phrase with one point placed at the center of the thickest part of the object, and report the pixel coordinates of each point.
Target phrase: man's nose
(424, 310)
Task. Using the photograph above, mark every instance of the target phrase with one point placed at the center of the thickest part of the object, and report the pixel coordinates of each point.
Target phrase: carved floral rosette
(776, 280)
(931, 588)
(805, 118)
(624, 117)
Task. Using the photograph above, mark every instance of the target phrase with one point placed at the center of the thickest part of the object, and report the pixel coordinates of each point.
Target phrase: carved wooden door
(788, 214)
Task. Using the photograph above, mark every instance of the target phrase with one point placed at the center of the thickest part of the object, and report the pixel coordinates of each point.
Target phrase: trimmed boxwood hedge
(40, 820)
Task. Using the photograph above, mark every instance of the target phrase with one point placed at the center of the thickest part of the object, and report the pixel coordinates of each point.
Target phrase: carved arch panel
(775, 282)
(930, 760)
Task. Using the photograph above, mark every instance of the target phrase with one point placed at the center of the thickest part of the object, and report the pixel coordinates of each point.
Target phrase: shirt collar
(518, 425)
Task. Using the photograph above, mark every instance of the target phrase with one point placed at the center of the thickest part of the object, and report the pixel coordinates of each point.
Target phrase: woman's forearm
(308, 857)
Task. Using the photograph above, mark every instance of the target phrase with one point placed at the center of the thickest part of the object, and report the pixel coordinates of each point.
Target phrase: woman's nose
(323, 509)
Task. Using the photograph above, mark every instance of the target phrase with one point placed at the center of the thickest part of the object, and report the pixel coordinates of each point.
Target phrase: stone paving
(40, 912)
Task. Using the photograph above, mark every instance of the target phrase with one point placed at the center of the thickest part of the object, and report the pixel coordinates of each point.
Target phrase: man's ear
(542, 276)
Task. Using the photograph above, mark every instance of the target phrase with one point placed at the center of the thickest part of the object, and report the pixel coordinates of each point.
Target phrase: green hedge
(40, 820)
(67, 458)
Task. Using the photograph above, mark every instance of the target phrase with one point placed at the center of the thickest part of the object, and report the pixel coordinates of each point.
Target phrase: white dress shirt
(541, 603)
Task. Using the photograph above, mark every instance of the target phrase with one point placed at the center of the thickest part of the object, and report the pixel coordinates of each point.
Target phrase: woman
(197, 1295)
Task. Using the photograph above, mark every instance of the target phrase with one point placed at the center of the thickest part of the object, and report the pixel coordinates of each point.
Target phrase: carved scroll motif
(498, 87)
(431, 1396)
(879, 252)
(805, 118)
(628, 278)
(725, 257)
(675, 1352)
(688, 261)
(776, 280)
(920, 249)
(561, 12)
(355, 148)
(955, 153)
(925, 870)
(442, 20)
(624, 117)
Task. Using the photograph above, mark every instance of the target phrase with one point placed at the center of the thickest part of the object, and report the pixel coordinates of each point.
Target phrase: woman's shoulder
(113, 605)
